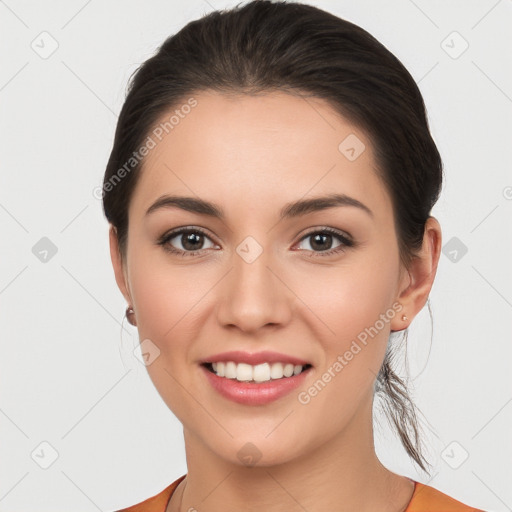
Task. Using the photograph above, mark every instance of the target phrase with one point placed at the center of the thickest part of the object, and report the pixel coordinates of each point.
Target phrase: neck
(342, 473)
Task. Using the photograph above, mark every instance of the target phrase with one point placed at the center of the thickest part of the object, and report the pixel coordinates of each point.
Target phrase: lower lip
(253, 393)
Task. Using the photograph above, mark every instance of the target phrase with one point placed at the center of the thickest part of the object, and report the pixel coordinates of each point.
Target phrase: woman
(269, 193)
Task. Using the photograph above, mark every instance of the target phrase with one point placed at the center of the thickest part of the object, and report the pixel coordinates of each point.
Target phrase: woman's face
(257, 281)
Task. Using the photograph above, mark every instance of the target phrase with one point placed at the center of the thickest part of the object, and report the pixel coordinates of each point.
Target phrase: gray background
(68, 377)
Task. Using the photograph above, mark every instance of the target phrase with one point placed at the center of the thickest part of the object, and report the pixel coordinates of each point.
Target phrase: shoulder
(428, 499)
(157, 503)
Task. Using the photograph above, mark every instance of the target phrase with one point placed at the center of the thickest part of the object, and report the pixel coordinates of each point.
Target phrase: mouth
(254, 385)
(260, 373)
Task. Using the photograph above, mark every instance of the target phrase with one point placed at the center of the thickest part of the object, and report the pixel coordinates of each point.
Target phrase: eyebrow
(289, 210)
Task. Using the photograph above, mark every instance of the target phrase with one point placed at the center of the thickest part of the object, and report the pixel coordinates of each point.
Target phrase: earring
(130, 315)
(404, 318)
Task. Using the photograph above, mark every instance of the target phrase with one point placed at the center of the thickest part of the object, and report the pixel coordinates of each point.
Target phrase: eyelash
(346, 242)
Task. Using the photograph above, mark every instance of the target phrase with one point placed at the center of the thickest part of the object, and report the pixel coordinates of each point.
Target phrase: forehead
(258, 151)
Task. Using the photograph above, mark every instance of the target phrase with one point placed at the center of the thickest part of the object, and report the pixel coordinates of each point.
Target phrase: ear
(417, 282)
(117, 263)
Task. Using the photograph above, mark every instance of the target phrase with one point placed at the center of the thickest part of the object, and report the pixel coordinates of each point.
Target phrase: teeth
(259, 373)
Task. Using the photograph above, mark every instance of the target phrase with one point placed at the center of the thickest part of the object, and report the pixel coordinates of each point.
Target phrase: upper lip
(255, 358)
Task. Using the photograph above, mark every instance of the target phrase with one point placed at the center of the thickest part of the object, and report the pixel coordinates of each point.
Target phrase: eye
(321, 242)
(190, 239)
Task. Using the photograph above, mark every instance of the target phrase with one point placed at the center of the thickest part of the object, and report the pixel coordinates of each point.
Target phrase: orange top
(424, 499)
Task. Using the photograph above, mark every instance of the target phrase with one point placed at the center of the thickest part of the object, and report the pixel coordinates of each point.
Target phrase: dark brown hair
(266, 46)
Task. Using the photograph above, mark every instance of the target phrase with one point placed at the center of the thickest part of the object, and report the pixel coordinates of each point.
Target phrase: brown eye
(322, 241)
(185, 241)
(191, 241)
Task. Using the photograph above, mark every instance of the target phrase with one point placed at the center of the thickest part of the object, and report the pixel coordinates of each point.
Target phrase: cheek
(164, 287)
(168, 304)
(354, 305)
(168, 300)
(351, 298)
(354, 308)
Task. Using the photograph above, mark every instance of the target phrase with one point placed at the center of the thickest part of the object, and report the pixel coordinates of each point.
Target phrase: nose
(254, 295)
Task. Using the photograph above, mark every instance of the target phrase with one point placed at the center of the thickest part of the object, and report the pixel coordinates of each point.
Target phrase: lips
(255, 358)
(254, 393)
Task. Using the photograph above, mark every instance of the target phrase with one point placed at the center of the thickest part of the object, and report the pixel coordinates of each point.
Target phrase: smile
(252, 392)
(264, 372)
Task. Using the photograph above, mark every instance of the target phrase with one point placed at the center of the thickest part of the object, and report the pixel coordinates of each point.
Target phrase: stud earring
(404, 318)
(130, 315)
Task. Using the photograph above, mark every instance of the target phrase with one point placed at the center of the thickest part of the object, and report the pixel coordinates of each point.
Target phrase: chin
(253, 451)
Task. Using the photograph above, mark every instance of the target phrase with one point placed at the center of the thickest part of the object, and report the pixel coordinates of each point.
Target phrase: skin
(251, 155)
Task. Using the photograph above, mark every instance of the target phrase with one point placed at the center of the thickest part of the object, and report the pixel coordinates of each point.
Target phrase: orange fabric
(428, 499)
(156, 503)
(424, 499)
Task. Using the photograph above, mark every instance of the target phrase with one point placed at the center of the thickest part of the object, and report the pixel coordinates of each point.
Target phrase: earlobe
(117, 264)
(422, 271)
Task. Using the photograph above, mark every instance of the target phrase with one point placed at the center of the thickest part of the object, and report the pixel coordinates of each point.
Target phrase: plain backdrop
(82, 427)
